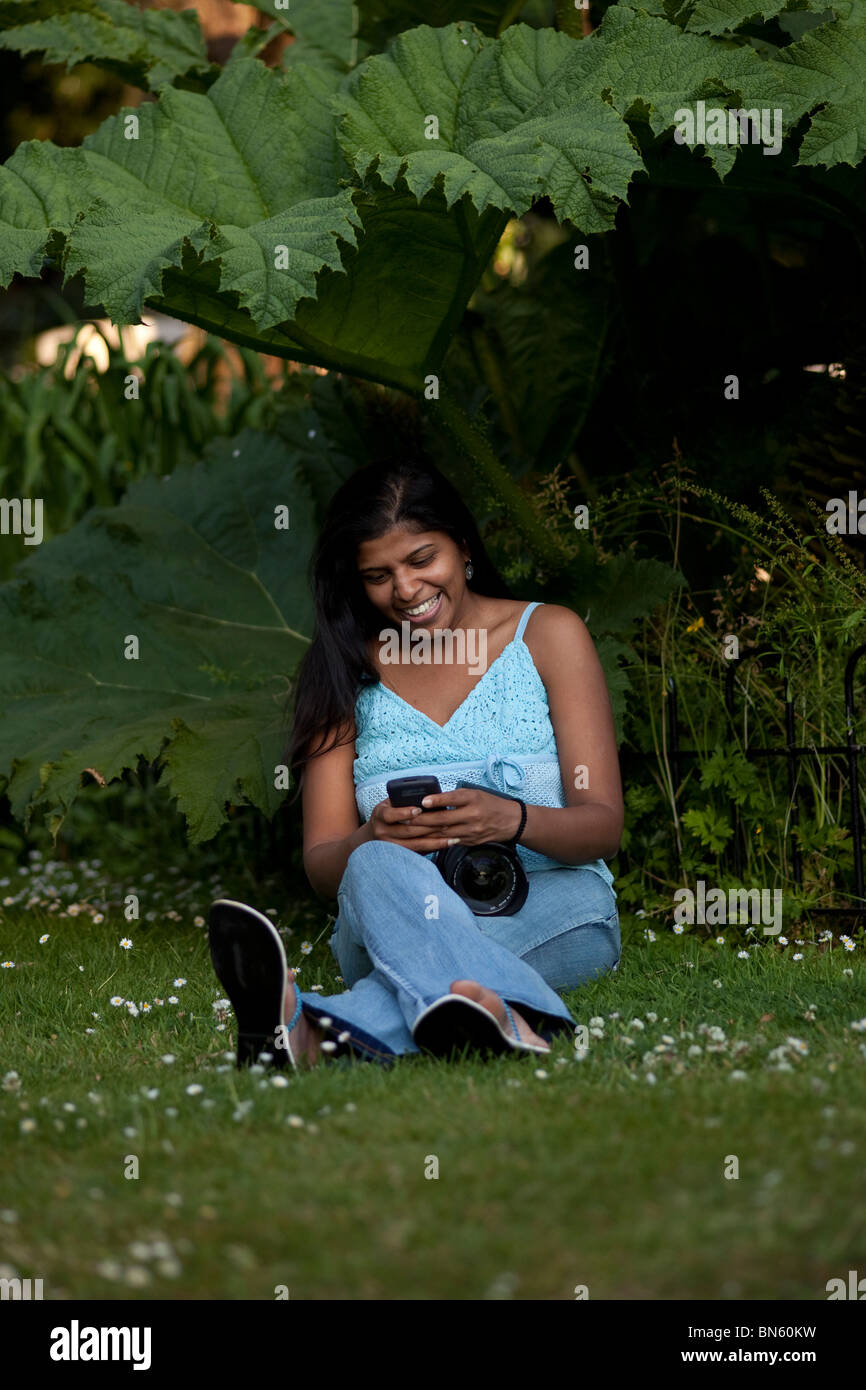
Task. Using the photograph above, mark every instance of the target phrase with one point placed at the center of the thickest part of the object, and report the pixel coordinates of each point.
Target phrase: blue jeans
(402, 936)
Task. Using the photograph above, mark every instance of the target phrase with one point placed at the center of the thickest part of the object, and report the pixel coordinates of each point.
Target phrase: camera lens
(485, 877)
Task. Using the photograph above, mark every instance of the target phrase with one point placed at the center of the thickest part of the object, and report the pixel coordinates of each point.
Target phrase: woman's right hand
(396, 825)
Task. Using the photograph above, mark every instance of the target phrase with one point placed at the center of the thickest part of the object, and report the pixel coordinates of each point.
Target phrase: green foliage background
(304, 211)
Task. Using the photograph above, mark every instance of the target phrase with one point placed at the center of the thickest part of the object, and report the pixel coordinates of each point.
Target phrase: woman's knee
(377, 866)
(579, 954)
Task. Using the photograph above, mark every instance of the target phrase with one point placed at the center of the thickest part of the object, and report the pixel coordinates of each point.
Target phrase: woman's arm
(590, 827)
(331, 829)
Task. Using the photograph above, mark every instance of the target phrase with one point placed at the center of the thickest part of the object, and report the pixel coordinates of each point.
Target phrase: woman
(399, 554)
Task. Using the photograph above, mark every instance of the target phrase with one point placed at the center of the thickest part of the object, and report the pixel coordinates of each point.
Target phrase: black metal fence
(790, 752)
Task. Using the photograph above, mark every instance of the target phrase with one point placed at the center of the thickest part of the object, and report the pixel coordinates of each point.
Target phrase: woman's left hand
(477, 818)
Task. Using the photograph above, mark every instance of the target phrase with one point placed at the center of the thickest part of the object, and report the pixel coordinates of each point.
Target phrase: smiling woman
(524, 754)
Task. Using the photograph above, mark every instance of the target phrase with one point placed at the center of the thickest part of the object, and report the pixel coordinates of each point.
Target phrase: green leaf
(828, 66)
(194, 567)
(187, 218)
(190, 212)
(709, 827)
(626, 589)
(38, 198)
(723, 16)
(324, 32)
(500, 140)
(145, 47)
(730, 770)
(611, 654)
(645, 66)
(232, 186)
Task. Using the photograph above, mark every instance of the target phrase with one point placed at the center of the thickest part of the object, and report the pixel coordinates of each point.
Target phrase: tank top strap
(524, 618)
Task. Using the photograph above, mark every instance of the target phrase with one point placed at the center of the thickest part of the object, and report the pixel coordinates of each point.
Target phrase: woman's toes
(471, 989)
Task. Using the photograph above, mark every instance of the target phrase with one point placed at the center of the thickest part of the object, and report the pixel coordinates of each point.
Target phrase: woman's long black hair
(371, 502)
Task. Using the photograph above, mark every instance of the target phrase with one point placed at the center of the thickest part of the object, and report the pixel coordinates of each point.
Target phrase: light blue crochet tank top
(500, 737)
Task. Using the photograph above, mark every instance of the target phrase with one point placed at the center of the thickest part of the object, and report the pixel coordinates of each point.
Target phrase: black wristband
(522, 827)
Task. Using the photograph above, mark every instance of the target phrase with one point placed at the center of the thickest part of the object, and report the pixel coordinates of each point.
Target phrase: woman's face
(405, 570)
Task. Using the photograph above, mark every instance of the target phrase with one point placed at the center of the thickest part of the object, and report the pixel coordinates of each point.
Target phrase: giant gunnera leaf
(164, 628)
(323, 32)
(147, 48)
(345, 218)
(231, 209)
(450, 108)
(722, 16)
(830, 59)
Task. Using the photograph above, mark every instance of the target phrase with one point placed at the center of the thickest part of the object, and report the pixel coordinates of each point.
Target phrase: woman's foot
(250, 963)
(305, 1039)
(471, 989)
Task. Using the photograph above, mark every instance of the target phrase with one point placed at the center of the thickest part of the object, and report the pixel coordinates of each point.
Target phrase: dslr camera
(489, 878)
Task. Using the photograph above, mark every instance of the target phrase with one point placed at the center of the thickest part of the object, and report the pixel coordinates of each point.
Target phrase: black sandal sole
(251, 966)
(456, 1024)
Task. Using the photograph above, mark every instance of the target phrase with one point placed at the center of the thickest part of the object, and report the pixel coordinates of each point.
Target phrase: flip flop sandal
(455, 1022)
(250, 962)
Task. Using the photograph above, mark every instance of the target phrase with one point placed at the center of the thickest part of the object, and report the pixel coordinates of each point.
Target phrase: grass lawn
(606, 1171)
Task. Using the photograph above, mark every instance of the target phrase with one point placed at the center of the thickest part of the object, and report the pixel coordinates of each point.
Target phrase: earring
(469, 571)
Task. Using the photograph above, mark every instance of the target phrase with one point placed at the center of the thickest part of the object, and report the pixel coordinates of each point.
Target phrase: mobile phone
(410, 791)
